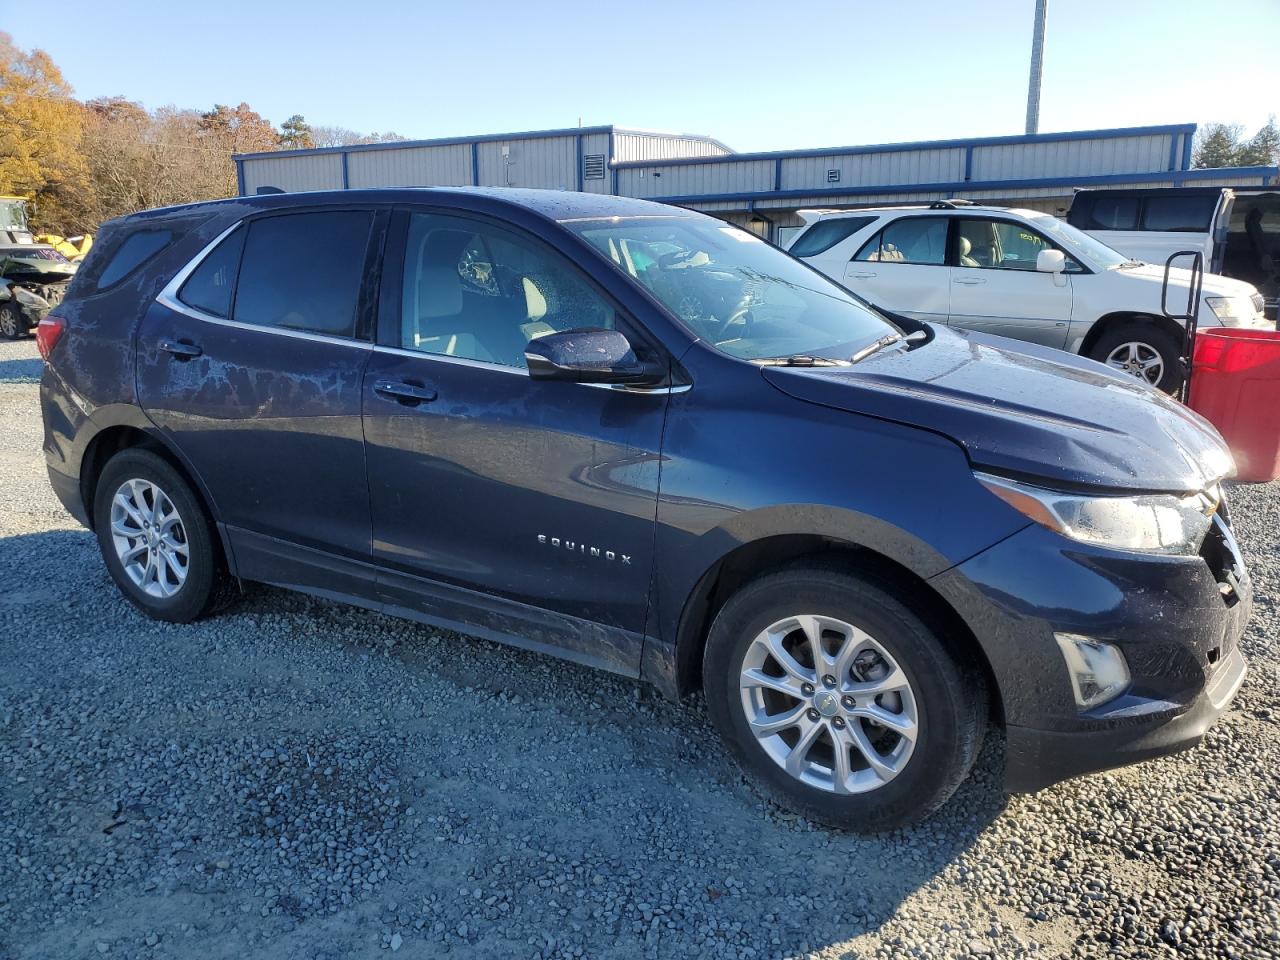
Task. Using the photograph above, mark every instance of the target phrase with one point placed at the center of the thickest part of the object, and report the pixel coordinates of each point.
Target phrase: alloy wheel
(1138, 359)
(149, 538)
(829, 704)
(9, 321)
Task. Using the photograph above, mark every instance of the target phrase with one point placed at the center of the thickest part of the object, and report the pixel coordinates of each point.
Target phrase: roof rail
(951, 204)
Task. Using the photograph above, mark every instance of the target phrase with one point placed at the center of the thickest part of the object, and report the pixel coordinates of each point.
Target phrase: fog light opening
(1098, 670)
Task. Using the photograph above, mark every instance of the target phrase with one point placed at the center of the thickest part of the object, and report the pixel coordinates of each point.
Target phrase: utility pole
(1037, 67)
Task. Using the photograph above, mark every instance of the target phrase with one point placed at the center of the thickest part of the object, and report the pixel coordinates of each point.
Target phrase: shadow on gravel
(321, 776)
(20, 370)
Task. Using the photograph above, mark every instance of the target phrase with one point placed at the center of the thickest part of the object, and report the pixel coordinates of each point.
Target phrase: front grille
(1218, 552)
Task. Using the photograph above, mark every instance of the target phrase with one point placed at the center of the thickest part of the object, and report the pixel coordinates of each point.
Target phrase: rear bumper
(1037, 759)
(67, 489)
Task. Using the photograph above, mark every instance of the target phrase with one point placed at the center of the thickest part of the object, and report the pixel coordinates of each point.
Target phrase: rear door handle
(181, 349)
(862, 276)
(409, 394)
(970, 281)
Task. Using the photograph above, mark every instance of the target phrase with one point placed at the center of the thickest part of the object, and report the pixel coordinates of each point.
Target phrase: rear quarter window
(825, 234)
(129, 255)
(1179, 214)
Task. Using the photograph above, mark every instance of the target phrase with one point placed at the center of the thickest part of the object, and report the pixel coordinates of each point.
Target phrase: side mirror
(588, 356)
(1051, 261)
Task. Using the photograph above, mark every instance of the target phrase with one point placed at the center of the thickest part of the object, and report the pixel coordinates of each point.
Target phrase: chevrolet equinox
(643, 439)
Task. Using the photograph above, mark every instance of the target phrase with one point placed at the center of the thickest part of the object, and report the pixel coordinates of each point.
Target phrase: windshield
(1078, 243)
(33, 253)
(733, 290)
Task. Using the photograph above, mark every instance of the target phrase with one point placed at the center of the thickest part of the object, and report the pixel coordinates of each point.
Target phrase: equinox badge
(574, 546)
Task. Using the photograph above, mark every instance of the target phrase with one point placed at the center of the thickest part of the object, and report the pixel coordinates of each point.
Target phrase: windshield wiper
(799, 360)
(887, 340)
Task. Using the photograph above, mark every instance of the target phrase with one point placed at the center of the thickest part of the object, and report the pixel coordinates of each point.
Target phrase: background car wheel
(12, 326)
(157, 540)
(841, 703)
(1142, 350)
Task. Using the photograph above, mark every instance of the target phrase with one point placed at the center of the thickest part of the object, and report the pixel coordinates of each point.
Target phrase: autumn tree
(40, 127)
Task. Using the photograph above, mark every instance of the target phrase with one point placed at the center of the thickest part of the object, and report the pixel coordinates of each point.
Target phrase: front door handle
(181, 349)
(409, 394)
(970, 281)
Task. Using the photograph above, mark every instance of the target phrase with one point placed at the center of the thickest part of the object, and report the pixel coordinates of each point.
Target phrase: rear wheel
(841, 703)
(1142, 350)
(156, 538)
(12, 326)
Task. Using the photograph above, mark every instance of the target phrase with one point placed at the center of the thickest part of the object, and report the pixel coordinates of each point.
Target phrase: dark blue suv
(643, 439)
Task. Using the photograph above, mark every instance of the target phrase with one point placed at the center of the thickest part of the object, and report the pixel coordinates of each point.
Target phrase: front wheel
(1142, 350)
(12, 326)
(841, 703)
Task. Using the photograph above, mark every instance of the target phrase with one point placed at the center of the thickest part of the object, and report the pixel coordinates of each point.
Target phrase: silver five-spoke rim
(829, 704)
(1139, 360)
(149, 538)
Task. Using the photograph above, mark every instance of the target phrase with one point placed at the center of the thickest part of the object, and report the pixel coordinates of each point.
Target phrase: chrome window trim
(503, 368)
(168, 297)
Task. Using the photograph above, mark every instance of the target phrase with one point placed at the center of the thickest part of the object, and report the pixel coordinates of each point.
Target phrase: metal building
(760, 190)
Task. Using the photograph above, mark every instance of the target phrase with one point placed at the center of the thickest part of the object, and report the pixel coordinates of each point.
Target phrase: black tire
(1154, 337)
(207, 585)
(949, 689)
(13, 326)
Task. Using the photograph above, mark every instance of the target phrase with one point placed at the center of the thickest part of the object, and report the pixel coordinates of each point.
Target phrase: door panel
(903, 269)
(541, 493)
(996, 289)
(269, 415)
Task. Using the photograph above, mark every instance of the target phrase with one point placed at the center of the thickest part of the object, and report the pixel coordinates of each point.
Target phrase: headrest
(965, 246)
(439, 292)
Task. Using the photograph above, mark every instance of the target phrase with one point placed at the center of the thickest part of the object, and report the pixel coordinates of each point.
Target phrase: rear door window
(1179, 213)
(302, 271)
(909, 240)
(825, 234)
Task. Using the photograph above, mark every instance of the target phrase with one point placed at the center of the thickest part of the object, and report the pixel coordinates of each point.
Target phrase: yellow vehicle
(14, 228)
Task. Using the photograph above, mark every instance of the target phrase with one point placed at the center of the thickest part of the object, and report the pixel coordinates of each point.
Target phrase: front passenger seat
(965, 259)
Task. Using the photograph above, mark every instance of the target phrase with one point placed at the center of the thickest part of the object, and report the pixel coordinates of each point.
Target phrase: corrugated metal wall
(319, 171)
(1071, 158)
(443, 166)
(634, 146)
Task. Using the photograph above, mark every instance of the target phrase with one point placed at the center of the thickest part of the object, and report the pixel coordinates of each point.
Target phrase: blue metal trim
(1173, 153)
(346, 178)
(475, 164)
(613, 166)
(578, 140)
(1210, 174)
(968, 162)
(441, 142)
(1117, 133)
(1187, 141)
(239, 175)
(777, 174)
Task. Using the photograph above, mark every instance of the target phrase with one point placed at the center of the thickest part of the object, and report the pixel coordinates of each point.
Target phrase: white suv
(1021, 274)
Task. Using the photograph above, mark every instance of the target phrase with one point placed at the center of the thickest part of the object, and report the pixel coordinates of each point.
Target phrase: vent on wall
(833, 176)
(593, 166)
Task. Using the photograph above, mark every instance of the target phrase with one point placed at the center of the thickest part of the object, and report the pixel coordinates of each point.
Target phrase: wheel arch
(770, 554)
(1109, 321)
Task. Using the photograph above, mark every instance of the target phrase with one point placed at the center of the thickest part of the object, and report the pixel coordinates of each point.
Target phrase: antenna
(1037, 67)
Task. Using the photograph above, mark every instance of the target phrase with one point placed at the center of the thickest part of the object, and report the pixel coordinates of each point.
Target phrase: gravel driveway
(299, 779)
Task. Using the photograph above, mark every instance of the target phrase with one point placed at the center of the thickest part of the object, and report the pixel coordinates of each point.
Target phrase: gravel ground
(296, 779)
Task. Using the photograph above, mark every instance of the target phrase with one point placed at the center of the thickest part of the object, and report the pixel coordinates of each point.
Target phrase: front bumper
(1178, 621)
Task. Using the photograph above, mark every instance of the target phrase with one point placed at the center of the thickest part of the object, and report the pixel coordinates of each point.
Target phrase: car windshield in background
(744, 296)
(24, 252)
(1078, 243)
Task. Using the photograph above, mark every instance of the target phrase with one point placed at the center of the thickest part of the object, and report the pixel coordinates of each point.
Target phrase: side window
(302, 271)
(131, 254)
(1110, 213)
(1185, 213)
(480, 292)
(909, 240)
(1001, 245)
(825, 234)
(210, 284)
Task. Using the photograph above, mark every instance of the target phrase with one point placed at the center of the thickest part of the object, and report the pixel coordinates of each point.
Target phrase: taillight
(48, 333)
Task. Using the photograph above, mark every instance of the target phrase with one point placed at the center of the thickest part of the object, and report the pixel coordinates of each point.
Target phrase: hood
(1025, 410)
(1213, 285)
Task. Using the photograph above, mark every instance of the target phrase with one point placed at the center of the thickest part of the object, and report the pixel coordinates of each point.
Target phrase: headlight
(1232, 311)
(30, 299)
(1149, 523)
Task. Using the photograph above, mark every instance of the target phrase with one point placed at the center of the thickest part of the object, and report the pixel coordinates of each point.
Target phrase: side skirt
(282, 564)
